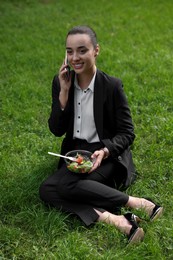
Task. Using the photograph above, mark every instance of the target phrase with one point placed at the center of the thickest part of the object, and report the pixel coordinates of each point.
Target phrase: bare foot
(133, 232)
(148, 206)
(119, 221)
(141, 203)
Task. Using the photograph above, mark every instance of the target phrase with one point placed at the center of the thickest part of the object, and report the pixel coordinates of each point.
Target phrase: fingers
(63, 68)
(64, 76)
(63, 72)
(98, 156)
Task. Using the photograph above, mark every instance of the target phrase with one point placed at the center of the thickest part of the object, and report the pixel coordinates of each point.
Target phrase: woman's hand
(98, 156)
(65, 84)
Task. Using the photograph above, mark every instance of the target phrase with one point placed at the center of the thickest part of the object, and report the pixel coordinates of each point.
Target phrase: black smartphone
(68, 67)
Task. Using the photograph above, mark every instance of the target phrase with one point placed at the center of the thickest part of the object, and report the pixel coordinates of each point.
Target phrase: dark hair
(84, 30)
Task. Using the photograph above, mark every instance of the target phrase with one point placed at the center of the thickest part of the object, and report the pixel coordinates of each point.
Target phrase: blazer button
(119, 158)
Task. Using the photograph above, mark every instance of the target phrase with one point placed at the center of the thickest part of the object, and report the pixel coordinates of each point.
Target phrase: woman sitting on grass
(91, 109)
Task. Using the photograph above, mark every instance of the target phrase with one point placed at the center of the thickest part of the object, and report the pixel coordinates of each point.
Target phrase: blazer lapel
(98, 104)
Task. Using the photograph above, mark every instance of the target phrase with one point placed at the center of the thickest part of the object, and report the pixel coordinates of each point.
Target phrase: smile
(78, 65)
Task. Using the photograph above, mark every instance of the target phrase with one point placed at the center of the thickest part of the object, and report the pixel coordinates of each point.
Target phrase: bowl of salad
(82, 163)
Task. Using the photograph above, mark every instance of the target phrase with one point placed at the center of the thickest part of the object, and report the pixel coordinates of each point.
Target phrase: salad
(82, 164)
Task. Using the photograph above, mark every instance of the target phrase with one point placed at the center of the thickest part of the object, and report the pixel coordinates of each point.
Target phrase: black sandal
(136, 233)
(157, 211)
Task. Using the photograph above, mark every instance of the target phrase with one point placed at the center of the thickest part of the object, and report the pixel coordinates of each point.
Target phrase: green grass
(136, 45)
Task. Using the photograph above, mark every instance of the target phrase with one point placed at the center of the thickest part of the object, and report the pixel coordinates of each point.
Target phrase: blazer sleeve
(120, 121)
(59, 119)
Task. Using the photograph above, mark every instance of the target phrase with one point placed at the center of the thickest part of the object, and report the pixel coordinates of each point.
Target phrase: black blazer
(112, 119)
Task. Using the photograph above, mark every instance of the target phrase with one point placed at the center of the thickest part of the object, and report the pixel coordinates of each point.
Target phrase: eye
(83, 51)
(69, 52)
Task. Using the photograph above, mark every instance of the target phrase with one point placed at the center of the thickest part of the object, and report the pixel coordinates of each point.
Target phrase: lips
(78, 66)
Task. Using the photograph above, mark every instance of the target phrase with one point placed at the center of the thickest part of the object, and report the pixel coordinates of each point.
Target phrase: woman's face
(81, 53)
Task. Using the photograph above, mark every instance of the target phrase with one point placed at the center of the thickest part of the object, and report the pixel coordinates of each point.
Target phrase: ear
(97, 49)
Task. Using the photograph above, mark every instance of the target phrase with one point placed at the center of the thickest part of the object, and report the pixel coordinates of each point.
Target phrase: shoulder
(108, 80)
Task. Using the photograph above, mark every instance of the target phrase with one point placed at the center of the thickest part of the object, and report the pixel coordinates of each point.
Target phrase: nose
(75, 56)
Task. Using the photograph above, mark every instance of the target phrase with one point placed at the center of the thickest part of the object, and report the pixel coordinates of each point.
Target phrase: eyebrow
(80, 47)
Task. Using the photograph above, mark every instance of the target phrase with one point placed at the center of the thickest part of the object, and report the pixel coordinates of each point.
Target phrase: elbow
(53, 129)
(131, 138)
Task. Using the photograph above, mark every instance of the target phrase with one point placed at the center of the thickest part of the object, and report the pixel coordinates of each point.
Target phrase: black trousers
(82, 193)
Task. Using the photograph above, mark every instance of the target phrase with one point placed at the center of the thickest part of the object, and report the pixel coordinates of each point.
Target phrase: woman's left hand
(98, 157)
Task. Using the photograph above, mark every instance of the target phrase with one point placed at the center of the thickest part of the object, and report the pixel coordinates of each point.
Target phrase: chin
(80, 71)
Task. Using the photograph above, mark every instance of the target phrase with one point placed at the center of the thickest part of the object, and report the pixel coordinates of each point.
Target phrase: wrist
(106, 152)
(64, 93)
(63, 98)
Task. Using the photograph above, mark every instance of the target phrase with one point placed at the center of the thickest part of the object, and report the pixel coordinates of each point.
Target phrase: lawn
(136, 43)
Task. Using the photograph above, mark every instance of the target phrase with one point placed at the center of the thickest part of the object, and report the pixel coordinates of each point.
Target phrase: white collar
(90, 86)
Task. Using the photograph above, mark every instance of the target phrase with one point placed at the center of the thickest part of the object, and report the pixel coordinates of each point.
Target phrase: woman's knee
(47, 192)
(44, 192)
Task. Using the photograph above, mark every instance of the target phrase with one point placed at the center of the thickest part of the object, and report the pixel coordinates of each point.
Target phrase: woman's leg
(72, 193)
(76, 187)
(49, 194)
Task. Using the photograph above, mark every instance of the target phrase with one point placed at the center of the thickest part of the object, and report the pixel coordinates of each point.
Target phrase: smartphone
(68, 67)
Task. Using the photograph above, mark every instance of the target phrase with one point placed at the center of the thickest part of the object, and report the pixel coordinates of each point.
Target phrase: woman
(91, 109)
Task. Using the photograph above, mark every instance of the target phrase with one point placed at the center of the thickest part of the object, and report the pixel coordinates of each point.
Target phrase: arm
(120, 123)
(60, 113)
(118, 130)
(58, 118)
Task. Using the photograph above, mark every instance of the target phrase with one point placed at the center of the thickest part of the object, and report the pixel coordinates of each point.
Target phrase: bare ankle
(119, 222)
(140, 203)
(148, 206)
(103, 216)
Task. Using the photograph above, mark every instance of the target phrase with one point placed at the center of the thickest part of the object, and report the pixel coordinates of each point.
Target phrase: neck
(85, 79)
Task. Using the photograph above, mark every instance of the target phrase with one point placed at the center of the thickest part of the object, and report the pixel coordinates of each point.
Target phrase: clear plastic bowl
(80, 167)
